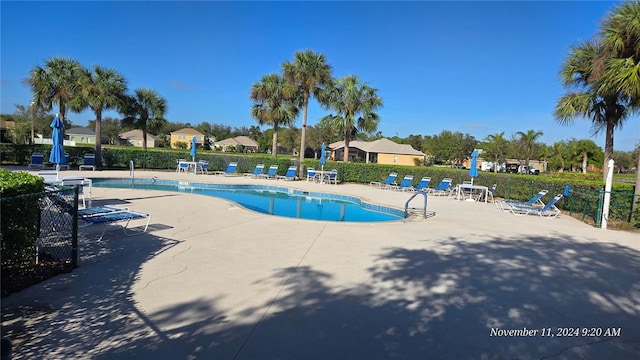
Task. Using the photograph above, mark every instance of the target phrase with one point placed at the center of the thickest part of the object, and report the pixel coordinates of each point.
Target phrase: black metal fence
(39, 237)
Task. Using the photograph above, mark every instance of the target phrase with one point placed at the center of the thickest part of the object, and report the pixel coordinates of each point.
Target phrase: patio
(214, 280)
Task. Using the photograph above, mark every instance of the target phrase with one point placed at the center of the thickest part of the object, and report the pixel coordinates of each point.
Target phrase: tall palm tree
(355, 105)
(103, 89)
(593, 97)
(145, 110)
(310, 72)
(527, 143)
(583, 150)
(497, 149)
(273, 99)
(58, 82)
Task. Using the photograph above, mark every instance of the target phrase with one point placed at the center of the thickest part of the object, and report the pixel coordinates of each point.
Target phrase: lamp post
(33, 138)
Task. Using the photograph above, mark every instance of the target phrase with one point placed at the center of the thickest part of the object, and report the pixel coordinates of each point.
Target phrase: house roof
(80, 131)
(188, 131)
(383, 145)
(238, 140)
(136, 134)
(7, 124)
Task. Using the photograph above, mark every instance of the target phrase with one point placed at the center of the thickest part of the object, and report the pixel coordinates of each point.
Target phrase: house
(5, 127)
(247, 144)
(381, 151)
(185, 136)
(81, 135)
(134, 138)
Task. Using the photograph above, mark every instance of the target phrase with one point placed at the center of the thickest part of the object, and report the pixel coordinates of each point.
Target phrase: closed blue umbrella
(323, 156)
(473, 168)
(193, 147)
(57, 151)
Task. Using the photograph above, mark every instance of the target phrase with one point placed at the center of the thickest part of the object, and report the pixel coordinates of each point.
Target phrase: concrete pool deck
(211, 280)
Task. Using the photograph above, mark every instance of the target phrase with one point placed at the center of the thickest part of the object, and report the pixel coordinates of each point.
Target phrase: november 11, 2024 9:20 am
(558, 332)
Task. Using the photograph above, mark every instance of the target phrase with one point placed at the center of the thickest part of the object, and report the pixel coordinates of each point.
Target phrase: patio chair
(203, 167)
(311, 174)
(82, 183)
(183, 166)
(88, 162)
(289, 175)
(99, 210)
(51, 177)
(422, 185)
(229, 171)
(271, 173)
(115, 217)
(37, 161)
(390, 180)
(332, 176)
(444, 188)
(404, 185)
(536, 200)
(257, 171)
(548, 211)
(489, 194)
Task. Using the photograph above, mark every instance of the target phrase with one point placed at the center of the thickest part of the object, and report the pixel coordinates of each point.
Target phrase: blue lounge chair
(271, 173)
(332, 176)
(183, 166)
(390, 180)
(37, 161)
(229, 171)
(444, 188)
(203, 167)
(404, 185)
(548, 211)
(311, 174)
(536, 200)
(88, 162)
(289, 175)
(115, 217)
(422, 185)
(257, 171)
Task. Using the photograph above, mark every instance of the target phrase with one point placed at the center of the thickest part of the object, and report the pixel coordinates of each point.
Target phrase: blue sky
(474, 67)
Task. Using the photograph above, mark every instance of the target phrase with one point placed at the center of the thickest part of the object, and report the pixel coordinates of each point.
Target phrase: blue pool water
(273, 200)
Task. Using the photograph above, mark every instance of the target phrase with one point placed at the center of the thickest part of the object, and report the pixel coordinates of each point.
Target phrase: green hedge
(20, 214)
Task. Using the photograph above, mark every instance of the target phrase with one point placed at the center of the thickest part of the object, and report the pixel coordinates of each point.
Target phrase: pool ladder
(416, 210)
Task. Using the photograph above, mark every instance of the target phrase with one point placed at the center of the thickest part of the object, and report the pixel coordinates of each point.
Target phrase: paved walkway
(212, 280)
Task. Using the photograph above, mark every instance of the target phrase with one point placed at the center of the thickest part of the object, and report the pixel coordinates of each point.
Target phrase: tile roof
(136, 134)
(383, 145)
(188, 131)
(80, 131)
(238, 140)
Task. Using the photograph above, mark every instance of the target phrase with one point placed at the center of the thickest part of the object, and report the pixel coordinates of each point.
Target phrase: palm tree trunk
(144, 135)
(98, 146)
(345, 156)
(274, 147)
(584, 163)
(608, 149)
(303, 134)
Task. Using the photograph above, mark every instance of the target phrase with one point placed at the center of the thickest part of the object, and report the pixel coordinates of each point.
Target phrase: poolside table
(471, 188)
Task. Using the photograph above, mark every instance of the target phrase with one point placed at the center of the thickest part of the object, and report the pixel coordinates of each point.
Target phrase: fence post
(599, 211)
(74, 231)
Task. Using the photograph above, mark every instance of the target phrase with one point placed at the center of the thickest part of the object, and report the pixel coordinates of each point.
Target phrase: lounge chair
(203, 167)
(332, 176)
(404, 185)
(289, 175)
(536, 200)
(88, 162)
(229, 171)
(271, 173)
(37, 161)
(115, 217)
(257, 171)
(183, 166)
(390, 180)
(444, 188)
(548, 211)
(422, 185)
(50, 177)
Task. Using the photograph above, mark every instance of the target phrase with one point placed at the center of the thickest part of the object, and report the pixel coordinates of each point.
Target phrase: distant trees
(496, 149)
(145, 110)
(526, 145)
(450, 146)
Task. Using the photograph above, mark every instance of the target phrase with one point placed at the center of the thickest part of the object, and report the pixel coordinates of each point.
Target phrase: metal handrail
(423, 209)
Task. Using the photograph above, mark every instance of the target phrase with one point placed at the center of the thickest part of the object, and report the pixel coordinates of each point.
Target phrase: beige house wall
(397, 159)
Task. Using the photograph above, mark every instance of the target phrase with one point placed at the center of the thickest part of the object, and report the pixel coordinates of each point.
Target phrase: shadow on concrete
(417, 304)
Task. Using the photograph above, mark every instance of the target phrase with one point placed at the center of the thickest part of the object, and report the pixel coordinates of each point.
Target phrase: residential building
(185, 136)
(81, 135)
(134, 138)
(381, 151)
(246, 143)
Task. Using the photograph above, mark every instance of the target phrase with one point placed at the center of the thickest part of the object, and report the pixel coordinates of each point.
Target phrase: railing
(423, 210)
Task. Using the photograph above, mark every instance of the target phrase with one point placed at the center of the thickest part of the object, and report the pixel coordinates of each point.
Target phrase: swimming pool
(274, 200)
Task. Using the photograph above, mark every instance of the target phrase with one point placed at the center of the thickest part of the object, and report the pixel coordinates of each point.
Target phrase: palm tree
(584, 149)
(605, 106)
(310, 73)
(144, 110)
(354, 104)
(103, 89)
(496, 148)
(273, 105)
(58, 82)
(527, 143)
